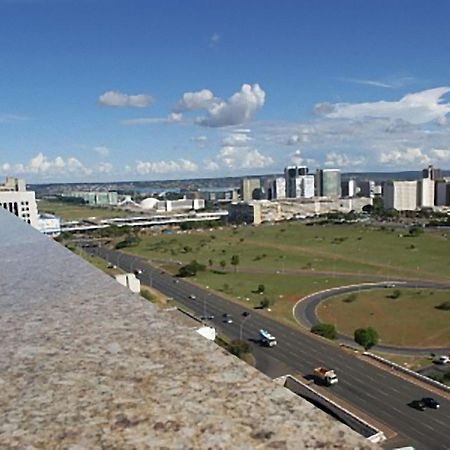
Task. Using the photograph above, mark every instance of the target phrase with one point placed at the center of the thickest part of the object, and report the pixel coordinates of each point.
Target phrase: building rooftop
(86, 364)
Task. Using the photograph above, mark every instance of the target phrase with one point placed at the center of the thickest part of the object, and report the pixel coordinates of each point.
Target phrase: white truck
(267, 339)
(325, 376)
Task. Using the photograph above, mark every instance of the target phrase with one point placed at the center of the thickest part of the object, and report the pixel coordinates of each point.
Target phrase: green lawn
(411, 319)
(337, 248)
(75, 212)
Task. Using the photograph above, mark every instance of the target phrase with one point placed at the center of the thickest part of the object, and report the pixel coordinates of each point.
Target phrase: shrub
(351, 298)
(396, 294)
(445, 306)
(239, 348)
(326, 330)
(366, 337)
(191, 269)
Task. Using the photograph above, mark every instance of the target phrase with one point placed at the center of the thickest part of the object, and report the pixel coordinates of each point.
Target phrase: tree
(366, 337)
(210, 262)
(223, 263)
(239, 348)
(261, 289)
(396, 294)
(326, 330)
(265, 303)
(235, 261)
(191, 269)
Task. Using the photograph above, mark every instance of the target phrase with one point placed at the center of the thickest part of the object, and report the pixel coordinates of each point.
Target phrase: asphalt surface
(305, 312)
(378, 393)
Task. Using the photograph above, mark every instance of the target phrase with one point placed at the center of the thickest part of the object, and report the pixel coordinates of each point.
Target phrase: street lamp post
(241, 328)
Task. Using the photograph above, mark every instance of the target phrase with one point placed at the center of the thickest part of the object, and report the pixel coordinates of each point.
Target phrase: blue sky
(99, 90)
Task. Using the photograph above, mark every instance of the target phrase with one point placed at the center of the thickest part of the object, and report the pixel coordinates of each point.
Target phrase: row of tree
(366, 337)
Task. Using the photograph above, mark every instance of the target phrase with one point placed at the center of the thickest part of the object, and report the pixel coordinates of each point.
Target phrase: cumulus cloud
(243, 158)
(342, 160)
(191, 101)
(236, 139)
(119, 99)
(171, 118)
(102, 151)
(237, 110)
(440, 154)
(405, 157)
(417, 108)
(211, 165)
(105, 167)
(200, 140)
(44, 166)
(162, 167)
(297, 158)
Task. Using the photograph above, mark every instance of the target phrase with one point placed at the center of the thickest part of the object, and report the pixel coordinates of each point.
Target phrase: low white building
(49, 224)
(17, 200)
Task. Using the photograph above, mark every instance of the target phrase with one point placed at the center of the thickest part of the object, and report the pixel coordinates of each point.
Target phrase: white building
(49, 224)
(306, 186)
(17, 200)
(400, 195)
(172, 205)
(425, 193)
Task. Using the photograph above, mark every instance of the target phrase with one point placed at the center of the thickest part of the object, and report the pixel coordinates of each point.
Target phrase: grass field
(336, 248)
(411, 319)
(294, 259)
(68, 211)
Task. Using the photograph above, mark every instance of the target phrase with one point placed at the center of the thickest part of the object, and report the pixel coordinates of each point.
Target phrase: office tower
(348, 188)
(400, 195)
(248, 188)
(328, 182)
(298, 182)
(432, 173)
(425, 193)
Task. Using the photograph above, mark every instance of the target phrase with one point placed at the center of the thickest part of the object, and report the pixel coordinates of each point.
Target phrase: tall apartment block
(17, 200)
(328, 183)
(299, 184)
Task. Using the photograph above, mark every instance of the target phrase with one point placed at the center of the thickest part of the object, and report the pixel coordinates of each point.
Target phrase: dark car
(417, 404)
(430, 403)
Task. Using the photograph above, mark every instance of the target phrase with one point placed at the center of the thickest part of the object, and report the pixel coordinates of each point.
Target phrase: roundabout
(308, 310)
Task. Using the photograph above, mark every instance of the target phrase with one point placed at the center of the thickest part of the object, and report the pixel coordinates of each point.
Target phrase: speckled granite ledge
(85, 364)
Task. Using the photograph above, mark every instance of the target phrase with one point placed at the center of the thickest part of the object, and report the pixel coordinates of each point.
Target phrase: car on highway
(430, 402)
(417, 404)
(227, 318)
(442, 359)
(210, 317)
(192, 296)
(138, 272)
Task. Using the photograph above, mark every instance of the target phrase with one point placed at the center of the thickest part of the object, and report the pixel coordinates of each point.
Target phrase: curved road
(305, 312)
(367, 388)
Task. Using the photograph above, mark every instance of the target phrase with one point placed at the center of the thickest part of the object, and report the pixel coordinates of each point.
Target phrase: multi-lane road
(378, 393)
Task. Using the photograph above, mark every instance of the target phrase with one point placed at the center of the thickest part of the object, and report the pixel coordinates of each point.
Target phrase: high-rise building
(348, 188)
(400, 195)
(17, 200)
(328, 183)
(432, 173)
(275, 188)
(298, 182)
(442, 193)
(248, 188)
(425, 193)
(366, 188)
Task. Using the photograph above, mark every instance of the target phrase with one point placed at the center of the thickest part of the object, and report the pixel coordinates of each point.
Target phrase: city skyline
(105, 91)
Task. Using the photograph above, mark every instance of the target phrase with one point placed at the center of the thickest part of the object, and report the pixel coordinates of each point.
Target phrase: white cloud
(11, 118)
(118, 99)
(243, 158)
(43, 166)
(214, 39)
(191, 101)
(200, 140)
(161, 167)
(238, 109)
(417, 108)
(297, 158)
(392, 82)
(211, 165)
(236, 139)
(440, 154)
(405, 157)
(105, 167)
(102, 151)
(342, 160)
(171, 118)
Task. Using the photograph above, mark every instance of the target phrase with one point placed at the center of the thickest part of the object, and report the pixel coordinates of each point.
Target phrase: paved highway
(378, 393)
(305, 311)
